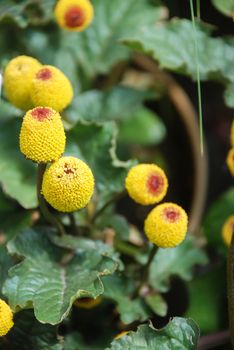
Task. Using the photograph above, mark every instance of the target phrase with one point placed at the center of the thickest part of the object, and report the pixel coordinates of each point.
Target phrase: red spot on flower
(44, 74)
(74, 17)
(41, 113)
(171, 214)
(68, 170)
(155, 183)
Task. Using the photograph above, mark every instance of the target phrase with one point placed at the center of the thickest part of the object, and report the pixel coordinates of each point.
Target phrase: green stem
(198, 10)
(42, 203)
(145, 270)
(106, 205)
(230, 285)
(198, 77)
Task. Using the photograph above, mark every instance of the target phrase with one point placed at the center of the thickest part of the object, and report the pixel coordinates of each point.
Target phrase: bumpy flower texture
(166, 225)
(18, 77)
(42, 136)
(6, 318)
(68, 184)
(227, 230)
(51, 88)
(230, 161)
(74, 15)
(146, 184)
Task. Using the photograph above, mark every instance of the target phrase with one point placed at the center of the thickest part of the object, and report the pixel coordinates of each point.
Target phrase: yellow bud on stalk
(42, 136)
(227, 230)
(166, 225)
(50, 87)
(74, 15)
(68, 184)
(146, 184)
(6, 318)
(17, 82)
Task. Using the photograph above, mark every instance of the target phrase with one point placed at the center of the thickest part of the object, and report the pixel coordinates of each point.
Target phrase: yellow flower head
(87, 303)
(18, 77)
(232, 134)
(230, 161)
(121, 334)
(227, 230)
(50, 87)
(42, 136)
(146, 184)
(68, 184)
(74, 15)
(6, 318)
(166, 225)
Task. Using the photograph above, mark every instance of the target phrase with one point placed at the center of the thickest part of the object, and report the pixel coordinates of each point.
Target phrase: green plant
(51, 262)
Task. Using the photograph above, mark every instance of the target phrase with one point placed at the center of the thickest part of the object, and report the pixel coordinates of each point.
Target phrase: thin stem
(145, 270)
(230, 285)
(198, 78)
(42, 203)
(214, 340)
(198, 7)
(106, 205)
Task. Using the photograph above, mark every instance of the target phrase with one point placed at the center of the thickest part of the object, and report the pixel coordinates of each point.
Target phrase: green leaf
(14, 221)
(118, 222)
(41, 280)
(28, 334)
(100, 106)
(6, 262)
(17, 175)
(157, 304)
(224, 6)
(217, 214)
(96, 144)
(144, 128)
(172, 45)
(119, 289)
(229, 95)
(179, 334)
(205, 287)
(26, 12)
(97, 49)
(178, 261)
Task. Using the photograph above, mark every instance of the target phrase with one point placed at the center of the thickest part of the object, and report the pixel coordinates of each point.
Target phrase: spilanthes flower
(42, 136)
(166, 225)
(74, 15)
(87, 303)
(230, 161)
(6, 318)
(227, 230)
(68, 184)
(17, 82)
(146, 184)
(51, 88)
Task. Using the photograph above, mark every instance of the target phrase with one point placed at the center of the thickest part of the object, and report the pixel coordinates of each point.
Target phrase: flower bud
(146, 184)
(166, 225)
(68, 184)
(74, 15)
(50, 87)
(17, 82)
(6, 318)
(42, 136)
(227, 230)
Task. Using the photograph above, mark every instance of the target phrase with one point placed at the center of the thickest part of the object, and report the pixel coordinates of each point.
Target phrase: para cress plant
(89, 262)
